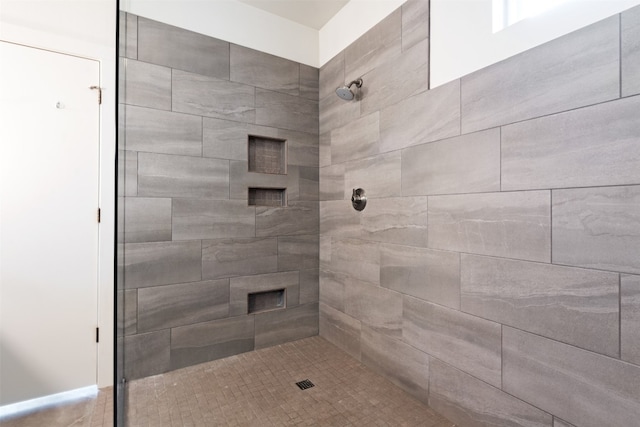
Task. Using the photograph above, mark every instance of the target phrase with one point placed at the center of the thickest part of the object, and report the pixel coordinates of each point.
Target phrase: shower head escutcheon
(345, 91)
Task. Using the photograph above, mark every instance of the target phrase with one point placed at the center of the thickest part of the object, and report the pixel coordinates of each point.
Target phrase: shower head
(345, 91)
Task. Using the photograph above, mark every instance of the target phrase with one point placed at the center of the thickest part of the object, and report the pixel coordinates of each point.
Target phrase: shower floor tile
(254, 389)
(259, 389)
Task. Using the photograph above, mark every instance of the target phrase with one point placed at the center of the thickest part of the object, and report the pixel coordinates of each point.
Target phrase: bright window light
(508, 12)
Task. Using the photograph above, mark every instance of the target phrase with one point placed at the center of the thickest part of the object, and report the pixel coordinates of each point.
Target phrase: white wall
(462, 40)
(85, 28)
(234, 22)
(353, 20)
(239, 23)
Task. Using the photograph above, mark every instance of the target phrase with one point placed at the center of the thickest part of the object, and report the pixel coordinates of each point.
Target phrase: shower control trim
(358, 199)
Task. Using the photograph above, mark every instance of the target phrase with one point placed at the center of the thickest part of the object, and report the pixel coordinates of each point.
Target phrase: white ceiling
(310, 13)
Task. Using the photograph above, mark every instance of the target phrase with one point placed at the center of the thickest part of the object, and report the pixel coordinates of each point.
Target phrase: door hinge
(99, 215)
(97, 334)
(99, 89)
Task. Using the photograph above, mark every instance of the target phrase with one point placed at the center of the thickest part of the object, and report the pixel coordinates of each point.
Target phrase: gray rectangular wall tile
(466, 342)
(121, 88)
(571, 305)
(285, 111)
(332, 286)
(424, 273)
(415, 22)
(376, 307)
(225, 139)
(378, 175)
(175, 47)
(120, 265)
(242, 286)
(147, 219)
(338, 218)
(597, 228)
(379, 45)
(128, 173)
(303, 148)
(325, 251)
(584, 388)
(630, 37)
(341, 330)
(297, 218)
(358, 259)
(355, 140)
(260, 69)
(308, 183)
(425, 117)
(147, 85)
(128, 35)
(203, 342)
(400, 363)
(465, 164)
(581, 68)
(163, 307)
(212, 219)
(591, 146)
(335, 112)
(146, 354)
(401, 220)
(309, 286)
(332, 76)
(166, 132)
(396, 80)
(493, 224)
(468, 401)
(161, 263)
(163, 175)
(239, 257)
(127, 312)
(309, 81)
(211, 97)
(298, 252)
(332, 182)
(559, 423)
(630, 318)
(280, 326)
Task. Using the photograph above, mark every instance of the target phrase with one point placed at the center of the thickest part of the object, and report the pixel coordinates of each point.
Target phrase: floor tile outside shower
(259, 389)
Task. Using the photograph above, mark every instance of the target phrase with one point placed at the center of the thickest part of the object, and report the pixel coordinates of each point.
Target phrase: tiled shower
(494, 273)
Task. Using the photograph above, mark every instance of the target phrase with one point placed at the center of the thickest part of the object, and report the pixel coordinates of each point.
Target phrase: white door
(49, 142)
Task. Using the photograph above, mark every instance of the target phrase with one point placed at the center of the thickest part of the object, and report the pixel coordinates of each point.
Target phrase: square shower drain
(305, 384)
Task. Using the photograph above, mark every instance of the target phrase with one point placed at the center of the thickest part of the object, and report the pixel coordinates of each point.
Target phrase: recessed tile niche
(267, 155)
(267, 196)
(265, 301)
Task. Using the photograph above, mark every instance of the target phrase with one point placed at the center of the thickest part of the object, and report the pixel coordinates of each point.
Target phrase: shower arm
(357, 82)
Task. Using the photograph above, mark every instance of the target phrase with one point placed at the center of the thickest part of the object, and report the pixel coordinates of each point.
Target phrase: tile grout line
(501, 357)
(551, 226)
(620, 315)
(620, 55)
(500, 153)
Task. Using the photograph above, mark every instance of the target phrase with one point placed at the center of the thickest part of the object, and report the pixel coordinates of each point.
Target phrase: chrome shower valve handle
(358, 199)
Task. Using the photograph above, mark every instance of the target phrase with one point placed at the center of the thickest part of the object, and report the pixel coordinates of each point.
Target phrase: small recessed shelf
(267, 197)
(265, 301)
(267, 155)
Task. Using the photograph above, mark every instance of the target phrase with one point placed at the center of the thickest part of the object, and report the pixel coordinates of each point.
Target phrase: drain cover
(304, 384)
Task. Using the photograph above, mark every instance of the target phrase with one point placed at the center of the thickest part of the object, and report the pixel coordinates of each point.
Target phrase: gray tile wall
(191, 246)
(494, 272)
